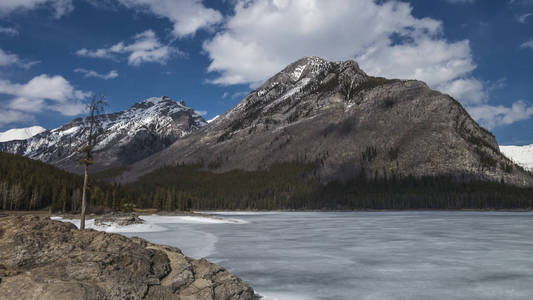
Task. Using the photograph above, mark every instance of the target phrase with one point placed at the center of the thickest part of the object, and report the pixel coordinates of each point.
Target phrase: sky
(55, 54)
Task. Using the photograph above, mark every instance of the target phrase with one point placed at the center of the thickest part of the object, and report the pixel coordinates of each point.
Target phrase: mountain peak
(20, 133)
(125, 136)
(349, 123)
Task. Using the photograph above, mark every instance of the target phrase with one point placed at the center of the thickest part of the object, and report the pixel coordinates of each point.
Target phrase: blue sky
(55, 53)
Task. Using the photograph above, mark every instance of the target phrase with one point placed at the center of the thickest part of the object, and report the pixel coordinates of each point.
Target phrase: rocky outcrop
(45, 259)
(118, 218)
(336, 116)
(124, 137)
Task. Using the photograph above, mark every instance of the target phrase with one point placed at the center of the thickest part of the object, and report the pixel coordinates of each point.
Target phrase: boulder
(46, 259)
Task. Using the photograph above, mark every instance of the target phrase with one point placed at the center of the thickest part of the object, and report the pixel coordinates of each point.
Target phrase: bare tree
(95, 107)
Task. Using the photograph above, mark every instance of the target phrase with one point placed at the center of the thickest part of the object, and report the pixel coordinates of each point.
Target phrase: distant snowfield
(522, 155)
(20, 133)
(152, 223)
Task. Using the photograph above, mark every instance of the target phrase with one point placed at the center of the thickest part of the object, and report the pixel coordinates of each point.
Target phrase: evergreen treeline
(293, 186)
(29, 184)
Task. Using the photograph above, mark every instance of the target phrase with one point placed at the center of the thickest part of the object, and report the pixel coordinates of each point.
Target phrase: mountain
(521, 155)
(125, 137)
(20, 133)
(349, 124)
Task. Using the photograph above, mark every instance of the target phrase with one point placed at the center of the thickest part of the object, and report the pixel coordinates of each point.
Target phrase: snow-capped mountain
(124, 137)
(521, 155)
(347, 122)
(20, 133)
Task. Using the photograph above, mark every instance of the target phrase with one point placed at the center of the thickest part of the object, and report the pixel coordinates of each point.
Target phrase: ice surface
(368, 255)
(364, 255)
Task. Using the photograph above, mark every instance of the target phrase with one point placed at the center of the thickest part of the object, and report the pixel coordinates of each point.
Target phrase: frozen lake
(364, 255)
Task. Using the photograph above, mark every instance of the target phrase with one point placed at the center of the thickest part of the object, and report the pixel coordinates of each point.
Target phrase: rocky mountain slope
(348, 123)
(45, 259)
(20, 133)
(125, 137)
(521, 155)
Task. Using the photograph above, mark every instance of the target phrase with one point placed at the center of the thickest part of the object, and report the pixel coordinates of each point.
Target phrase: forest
(27, 184)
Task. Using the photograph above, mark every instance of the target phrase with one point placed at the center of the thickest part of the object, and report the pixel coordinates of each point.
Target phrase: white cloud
(91, 73)
(201, 112)
(7, 59)
(386, 39)
(41, 93)
(12, 116)
(523, 18)
(263, 36)
(60, 7)
(469, 90)
(145, 47)
(188, 16)
(493, 116)
(527, 44)
(8, 31)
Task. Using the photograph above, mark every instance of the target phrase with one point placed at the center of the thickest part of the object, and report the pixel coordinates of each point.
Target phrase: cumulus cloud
(42, 93)
(386, 39)
(493, 116)
(263, 36)
(91, 73)
(8, 31)
(60, 7)
(527, 44)
(8, 59)
(12, 116)
(188, 16)
(145, 47)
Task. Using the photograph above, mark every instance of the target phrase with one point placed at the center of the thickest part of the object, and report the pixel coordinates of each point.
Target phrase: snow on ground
(153, 223)
(522, 155)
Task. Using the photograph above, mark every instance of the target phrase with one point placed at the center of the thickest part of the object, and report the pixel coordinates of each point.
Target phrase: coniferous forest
(27, 184)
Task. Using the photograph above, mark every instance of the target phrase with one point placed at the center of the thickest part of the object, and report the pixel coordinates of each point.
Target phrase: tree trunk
(83, 198)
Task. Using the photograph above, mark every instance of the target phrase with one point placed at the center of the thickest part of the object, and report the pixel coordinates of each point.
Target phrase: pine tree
(95, 108)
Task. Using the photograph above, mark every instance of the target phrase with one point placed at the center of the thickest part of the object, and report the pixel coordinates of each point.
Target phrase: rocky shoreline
(45, 259)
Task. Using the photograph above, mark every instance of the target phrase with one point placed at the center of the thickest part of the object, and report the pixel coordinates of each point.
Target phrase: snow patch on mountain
(20, 133)
(147, 127)
(521, 155)
(214, 118)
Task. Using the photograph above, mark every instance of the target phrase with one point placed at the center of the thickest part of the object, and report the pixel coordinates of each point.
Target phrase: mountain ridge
(124, 137)
(20, 133)
(334, 114)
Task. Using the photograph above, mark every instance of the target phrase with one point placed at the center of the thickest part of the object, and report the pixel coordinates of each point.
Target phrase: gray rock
(121, 219)
(45, 259)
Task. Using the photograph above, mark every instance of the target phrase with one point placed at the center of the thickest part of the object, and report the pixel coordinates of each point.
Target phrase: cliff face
(125, 137)
(45, 259)
(347, 122)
